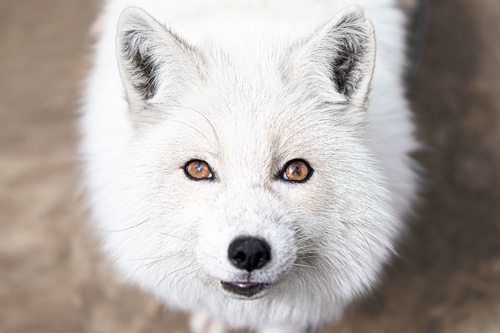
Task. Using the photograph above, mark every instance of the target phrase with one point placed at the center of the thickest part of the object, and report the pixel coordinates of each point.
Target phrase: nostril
(240, 257)
(249, 253)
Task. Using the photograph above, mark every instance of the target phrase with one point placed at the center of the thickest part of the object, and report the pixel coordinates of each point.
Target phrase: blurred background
(447, 278)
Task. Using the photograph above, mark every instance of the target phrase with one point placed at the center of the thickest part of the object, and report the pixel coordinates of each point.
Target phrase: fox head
(248, 178)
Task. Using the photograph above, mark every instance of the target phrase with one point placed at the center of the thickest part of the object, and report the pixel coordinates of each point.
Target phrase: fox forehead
(251, 123)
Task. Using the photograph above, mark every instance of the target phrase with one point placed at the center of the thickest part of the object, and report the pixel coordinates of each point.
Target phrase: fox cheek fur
(244, 243)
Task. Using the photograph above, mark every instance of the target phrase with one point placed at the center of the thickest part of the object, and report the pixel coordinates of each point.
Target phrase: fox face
(247, 175)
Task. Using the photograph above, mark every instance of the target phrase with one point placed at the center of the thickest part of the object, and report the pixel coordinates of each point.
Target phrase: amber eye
(198, 170)
(297, 171)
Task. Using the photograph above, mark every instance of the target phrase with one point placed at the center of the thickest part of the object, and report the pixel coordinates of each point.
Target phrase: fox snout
(246, 242)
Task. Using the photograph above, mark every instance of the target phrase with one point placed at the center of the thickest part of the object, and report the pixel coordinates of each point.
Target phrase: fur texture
(248, 86)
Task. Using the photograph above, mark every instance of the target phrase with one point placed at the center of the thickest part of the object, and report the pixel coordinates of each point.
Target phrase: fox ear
(343, 52)
(150, 58)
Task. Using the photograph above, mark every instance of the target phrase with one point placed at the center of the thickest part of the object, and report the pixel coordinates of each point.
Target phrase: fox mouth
(245, 289)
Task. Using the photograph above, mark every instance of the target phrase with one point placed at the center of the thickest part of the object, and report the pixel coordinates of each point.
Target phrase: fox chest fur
(250, 159)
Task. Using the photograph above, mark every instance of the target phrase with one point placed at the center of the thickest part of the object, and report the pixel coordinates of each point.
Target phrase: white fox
(250, 159)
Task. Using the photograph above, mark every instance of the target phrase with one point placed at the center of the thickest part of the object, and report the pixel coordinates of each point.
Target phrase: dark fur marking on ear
(349, 55)
(342, 67)
(141, 65)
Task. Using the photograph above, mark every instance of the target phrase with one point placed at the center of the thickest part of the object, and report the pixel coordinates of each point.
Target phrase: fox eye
(198, 170)
(297, 171)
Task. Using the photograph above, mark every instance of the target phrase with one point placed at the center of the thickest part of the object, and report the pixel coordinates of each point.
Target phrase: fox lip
(245, 289)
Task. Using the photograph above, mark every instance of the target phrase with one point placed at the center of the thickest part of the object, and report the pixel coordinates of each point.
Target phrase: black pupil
(297, 168)
(198, 167)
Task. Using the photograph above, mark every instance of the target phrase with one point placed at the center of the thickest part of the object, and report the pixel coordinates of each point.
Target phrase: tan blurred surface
(52, 280)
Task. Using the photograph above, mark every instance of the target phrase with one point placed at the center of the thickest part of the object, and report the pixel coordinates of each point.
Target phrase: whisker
(367, 243)
(154, 262)
(303, 240)
(186, 240)
(360, 212)
(186, 275)
(201, 114)
(301, 265)
(147, 258)
(146, 220)
(166, 276)
(181, 122)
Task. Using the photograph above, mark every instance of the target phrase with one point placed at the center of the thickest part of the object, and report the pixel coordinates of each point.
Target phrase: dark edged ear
(151, 59)
(342, 52)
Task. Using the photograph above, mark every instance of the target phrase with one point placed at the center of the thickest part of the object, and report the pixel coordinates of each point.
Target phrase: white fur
(252, 94)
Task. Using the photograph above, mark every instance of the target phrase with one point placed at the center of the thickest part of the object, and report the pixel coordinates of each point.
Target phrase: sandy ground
(447, 278)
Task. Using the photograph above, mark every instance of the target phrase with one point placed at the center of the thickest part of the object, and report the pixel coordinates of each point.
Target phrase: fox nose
(249, 253)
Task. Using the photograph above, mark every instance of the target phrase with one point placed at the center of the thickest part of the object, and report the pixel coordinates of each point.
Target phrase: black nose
(249, 253)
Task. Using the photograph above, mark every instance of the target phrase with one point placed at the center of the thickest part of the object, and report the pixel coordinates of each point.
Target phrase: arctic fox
(249, 159)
